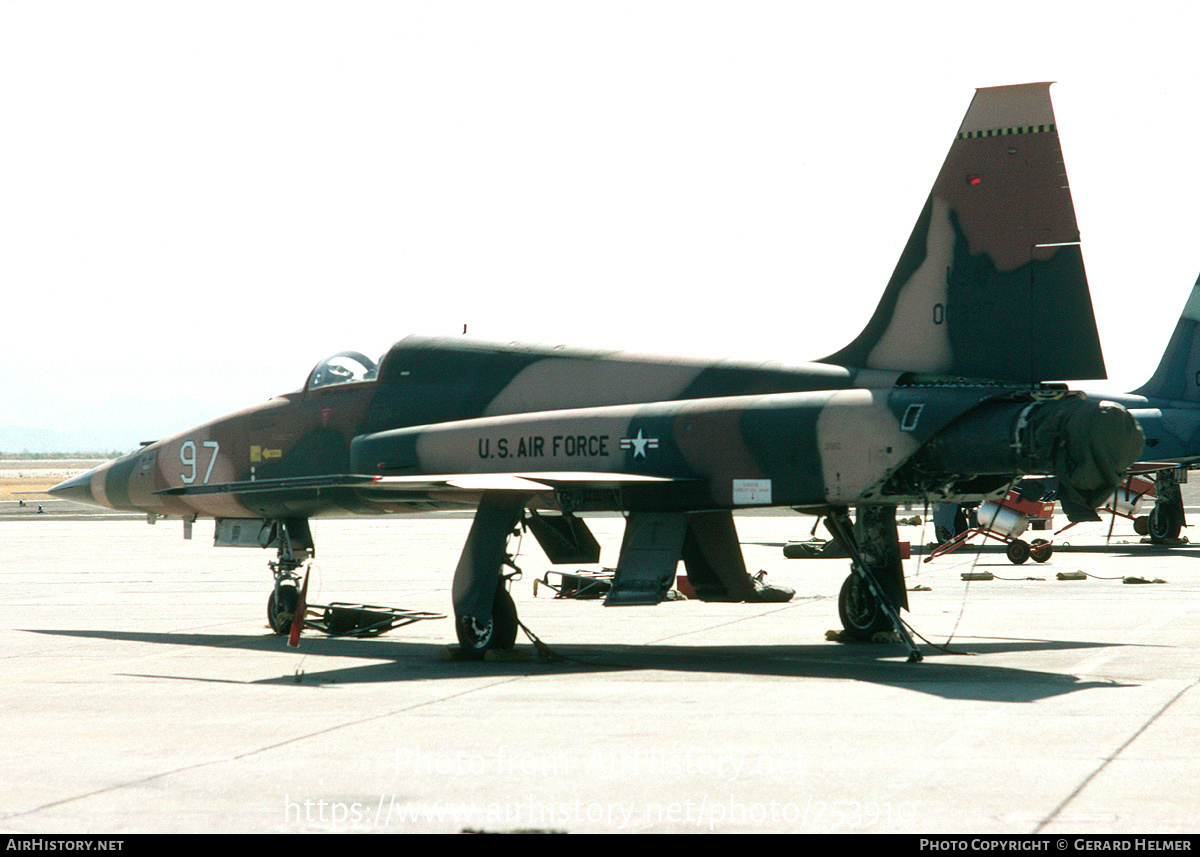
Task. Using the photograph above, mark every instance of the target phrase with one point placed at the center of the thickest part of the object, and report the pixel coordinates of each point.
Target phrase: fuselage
(419, 382)
(586, 429)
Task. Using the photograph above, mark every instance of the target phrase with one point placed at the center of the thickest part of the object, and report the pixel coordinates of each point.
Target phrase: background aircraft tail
(991, 283)
(1178, 373)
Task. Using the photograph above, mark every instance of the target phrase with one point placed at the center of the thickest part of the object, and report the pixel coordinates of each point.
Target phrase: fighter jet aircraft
(1167, 407)
(940, 398)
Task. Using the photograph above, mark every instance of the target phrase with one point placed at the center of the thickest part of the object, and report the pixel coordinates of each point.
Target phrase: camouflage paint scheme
(1168, 405)
(1167, 408)
(939, 398)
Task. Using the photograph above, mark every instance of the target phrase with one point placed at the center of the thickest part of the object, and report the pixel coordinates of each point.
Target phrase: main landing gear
(499, 633)
(871, 597)
(860, 611)
(485, 616)
(1166, 518)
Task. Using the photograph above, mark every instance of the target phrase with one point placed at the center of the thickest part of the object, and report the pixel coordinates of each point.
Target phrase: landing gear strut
(484, 614)
(293, 542)
(1166, 518)
(874, 592)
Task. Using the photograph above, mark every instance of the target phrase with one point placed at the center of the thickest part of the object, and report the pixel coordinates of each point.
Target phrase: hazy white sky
(201, 200)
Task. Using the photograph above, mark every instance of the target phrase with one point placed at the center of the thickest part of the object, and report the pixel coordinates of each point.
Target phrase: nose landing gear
(293, 542)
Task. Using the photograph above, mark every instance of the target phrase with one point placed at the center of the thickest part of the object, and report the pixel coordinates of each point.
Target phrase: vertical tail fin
(991, 283)
(1178, 373)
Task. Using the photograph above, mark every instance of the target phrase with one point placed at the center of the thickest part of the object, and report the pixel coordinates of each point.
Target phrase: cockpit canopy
(345, 367)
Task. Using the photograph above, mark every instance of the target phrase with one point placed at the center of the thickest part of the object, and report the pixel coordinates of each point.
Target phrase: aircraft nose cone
(77, 488)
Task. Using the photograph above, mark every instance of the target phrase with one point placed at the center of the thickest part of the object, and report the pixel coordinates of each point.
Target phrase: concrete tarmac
(143, 692)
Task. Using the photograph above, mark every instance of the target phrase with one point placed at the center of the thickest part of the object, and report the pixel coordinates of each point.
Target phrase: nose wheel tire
(281, 607)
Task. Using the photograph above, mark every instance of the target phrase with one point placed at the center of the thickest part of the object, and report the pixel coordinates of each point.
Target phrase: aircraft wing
(533, 481)
(538, 481)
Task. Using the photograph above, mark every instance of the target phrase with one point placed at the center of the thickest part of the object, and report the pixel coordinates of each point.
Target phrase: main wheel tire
(1165, 523)
(281, 607)
(861, 615)
(499, 633)
(1017, 551)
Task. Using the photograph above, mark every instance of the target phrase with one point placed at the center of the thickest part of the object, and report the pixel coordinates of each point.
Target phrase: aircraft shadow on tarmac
(878, 664)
